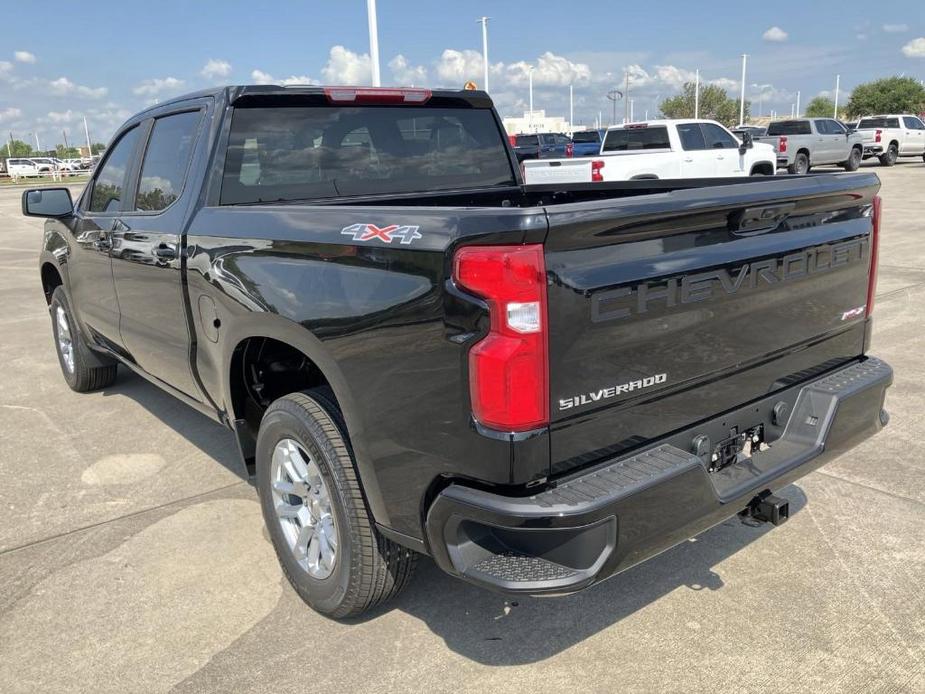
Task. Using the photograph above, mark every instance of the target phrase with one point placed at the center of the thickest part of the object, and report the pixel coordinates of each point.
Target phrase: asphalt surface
(133, 556)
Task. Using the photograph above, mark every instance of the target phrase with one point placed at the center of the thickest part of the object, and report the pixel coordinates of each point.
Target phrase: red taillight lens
(874, 255)
(509, 367)
(596, 175)
(376, 95)
(782, 145)
(512, 139)
(878, 135)
(569, 149)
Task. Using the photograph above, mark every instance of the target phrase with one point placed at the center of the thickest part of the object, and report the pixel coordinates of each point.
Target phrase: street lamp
(373, 41)
(742, 99)
(484, 22)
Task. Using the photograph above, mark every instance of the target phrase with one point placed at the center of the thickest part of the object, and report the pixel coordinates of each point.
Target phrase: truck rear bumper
(873, 150)
(607, 519)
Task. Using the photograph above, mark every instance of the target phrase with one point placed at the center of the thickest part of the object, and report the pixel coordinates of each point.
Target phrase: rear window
(629, 139)
(315, 152)
(527, 141)
(790, 127)
(868, 123)
(587, 136)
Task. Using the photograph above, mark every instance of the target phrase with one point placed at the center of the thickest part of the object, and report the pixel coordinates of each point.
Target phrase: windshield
(313, 152)
(587, 136)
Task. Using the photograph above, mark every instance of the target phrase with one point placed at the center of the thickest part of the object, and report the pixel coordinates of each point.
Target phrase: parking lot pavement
(133, 555)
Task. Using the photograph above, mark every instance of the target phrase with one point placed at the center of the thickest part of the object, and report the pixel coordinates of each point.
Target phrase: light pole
(571, 111)
(484, 21)
(373, 41)
(626, 95)
(89, 146)
(798, 103)
(742, 98)
(697, 93)
(38, 147)
(530, 77)
(614, 95)
(837, 85)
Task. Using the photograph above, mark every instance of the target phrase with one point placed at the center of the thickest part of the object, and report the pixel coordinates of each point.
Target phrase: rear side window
(790, 127)
(691, 136)
(587, 136)
(109, 184)
(632, 139)
(869, 123)
(527, 141)
(315, 152)
(167, 158)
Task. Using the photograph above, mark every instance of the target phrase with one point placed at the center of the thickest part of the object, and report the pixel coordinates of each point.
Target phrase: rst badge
(387, 234)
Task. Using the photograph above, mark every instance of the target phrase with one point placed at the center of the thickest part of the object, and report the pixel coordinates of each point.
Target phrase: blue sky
(124, 55)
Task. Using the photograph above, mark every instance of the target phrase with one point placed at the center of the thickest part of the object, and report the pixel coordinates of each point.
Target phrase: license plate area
(737, 448)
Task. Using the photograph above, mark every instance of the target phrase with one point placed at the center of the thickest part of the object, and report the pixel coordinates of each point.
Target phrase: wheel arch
(765, 168)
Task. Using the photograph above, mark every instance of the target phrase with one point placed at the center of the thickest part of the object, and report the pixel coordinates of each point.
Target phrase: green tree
(715, 104)
(17, 148)
(63, 152)
(97, 148)
(888, 95)
(820, 107)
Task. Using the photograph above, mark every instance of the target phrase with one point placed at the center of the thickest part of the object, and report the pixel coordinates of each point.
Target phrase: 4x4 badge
(370, 232)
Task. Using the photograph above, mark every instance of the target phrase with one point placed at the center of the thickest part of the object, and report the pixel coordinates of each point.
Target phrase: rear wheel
(800, 164)
(889, 157)
(854, 160)
(314, 509)
(83, 369)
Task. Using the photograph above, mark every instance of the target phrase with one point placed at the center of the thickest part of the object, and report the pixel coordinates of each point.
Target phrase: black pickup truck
(537, 386)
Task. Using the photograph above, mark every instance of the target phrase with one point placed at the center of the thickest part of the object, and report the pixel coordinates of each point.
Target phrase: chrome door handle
(165, 251)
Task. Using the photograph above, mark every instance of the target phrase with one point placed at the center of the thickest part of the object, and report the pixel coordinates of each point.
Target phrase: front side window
(279, 153)
(167, 158)
(835, 128)
(109, 183)
(691, 136)
(717, 138)
(913, 123)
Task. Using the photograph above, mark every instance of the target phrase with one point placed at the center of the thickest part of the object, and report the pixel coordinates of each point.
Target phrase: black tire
(800, 164)
(854, 160)
(369, 569)
(88, 370)
(889, 157)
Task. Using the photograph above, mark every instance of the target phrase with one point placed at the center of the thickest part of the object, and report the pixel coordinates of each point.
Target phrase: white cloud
(346, 67)
(157, 85)
(406, 74)
(5, 67)
(861, 37)
(64, 87)
(775, 35)
(24, 57)
(261, 77)
(895, 28)
(62, 116)
(215, 69)
(550, 70)
(915, 48)
(9, 114)
(455, 67)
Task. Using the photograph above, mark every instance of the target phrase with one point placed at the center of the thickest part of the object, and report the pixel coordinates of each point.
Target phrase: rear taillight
(874, 255)
(512, 139)
(569, 149)
(509, 367)
(596, 175)
(878, 135)
(376, 95)
(782, 145)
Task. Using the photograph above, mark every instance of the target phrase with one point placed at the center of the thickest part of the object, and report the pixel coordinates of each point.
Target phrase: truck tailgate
(672, 308)
(540, 171)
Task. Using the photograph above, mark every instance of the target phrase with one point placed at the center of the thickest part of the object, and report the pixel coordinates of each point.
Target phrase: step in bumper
(607, 519)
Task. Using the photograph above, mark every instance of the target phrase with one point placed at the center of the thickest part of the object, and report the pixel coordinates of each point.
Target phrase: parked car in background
(542, 146)
(587, 143)
(45, 164)
(755, 130)
(20, 167)
(893, 136)
(661, 149)
(802, 143)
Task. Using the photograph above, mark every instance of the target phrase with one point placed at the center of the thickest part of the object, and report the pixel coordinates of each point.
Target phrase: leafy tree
(18, 148)
(63, 152)
(97, 148)
(820, 107)
(715, 104)
(888, 95)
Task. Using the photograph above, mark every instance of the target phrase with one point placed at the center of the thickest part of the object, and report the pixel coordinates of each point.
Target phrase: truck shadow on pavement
(494, 629)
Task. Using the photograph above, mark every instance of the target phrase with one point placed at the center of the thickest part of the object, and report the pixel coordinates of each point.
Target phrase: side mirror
(747, 142)
(52, 203)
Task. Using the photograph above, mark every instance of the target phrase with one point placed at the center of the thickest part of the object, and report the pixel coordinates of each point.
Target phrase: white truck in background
(660, 149)
(892, 136)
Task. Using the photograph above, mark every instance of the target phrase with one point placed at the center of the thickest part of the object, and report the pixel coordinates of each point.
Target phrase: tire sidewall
(284, 421)
(59, 298)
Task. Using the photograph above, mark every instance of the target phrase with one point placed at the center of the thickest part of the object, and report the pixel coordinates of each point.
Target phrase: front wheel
(83, 369)
(890, 156)
(314, 509)
(854, 160)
